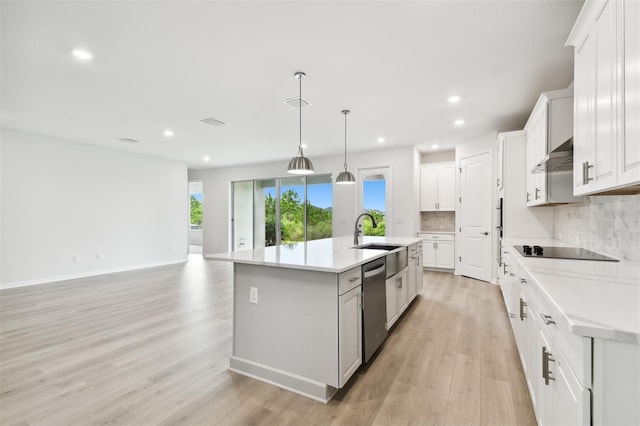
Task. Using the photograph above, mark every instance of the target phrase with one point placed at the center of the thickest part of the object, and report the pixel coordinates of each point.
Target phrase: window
(281, 210)
(374, 190)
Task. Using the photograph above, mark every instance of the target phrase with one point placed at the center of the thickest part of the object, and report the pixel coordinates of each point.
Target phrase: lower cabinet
(397, 300)
(438, 250)
(350, 333)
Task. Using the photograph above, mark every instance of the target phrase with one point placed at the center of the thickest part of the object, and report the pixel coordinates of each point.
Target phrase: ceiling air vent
(128, 140)
(213, 122)
(297, 102)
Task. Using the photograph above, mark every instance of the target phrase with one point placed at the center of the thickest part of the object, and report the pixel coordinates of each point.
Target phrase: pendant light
(345, 177)
(300, 165)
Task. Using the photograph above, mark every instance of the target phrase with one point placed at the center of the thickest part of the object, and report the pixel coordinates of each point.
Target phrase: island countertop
(326, 255)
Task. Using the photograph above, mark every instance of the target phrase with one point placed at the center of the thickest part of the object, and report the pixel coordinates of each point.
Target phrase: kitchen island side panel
(294, 325)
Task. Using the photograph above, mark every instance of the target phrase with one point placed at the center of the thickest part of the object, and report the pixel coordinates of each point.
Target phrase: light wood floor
(152, 347)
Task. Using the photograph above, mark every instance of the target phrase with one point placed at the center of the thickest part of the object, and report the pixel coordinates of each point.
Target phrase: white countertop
(599, 299)
(328, 255)
(437, 232)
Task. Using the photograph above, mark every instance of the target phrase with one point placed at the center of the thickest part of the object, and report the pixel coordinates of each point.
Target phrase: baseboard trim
(59, 278)
(282, 379)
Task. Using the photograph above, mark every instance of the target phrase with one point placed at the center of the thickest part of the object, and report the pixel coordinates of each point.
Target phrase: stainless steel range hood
(560, 159)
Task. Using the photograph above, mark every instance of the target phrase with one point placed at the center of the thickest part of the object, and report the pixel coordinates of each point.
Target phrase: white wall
(62, 199)
(405, 204)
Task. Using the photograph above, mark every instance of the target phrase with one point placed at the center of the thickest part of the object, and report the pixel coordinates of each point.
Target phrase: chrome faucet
(357, 231)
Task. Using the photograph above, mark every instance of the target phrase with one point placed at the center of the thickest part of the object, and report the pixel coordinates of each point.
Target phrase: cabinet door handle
(436, 245)
(537, 193)
(523, 281)
(353, 279)
(498, 182)
(546, 374)
(528, 197)
(523, 304)
(548, 319)
(586, 168)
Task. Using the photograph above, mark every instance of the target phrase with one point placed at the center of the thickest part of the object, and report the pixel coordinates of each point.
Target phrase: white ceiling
(164, 65)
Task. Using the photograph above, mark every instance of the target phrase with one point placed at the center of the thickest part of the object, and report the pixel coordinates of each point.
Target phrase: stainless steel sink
(375, 246)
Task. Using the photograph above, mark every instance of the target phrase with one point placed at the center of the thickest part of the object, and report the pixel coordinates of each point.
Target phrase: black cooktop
(562, 253)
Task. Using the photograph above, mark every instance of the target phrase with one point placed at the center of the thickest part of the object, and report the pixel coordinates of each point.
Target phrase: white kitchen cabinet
(397, 296)
(629, 154)
(437, 187)
(500, 177)
(438, 250)
(549, 125)
(414, 270)
(350, 322)
(607, 106)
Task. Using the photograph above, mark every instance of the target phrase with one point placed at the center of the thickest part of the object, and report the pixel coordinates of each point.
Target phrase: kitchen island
(297, 316)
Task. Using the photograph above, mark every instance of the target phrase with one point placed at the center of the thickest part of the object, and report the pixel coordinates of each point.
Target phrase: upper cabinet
(606, 37)
(549, 125)
(437, 187)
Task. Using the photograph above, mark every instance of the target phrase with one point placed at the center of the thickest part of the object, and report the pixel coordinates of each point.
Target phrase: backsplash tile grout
(608, 224)
(438, 221)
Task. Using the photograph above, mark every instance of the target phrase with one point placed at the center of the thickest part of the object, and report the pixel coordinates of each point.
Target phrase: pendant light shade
(300, 165)
(345, 177)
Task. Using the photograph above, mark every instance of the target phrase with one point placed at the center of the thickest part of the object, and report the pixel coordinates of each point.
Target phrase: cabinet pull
(537, 193)
(546, 374)
(511, 315)
(585, 172)
(548, 319)
(353, 279)
(528, 197)
(435, 245)
(399, 282)
(498, 182)
(523, 281)
(523, 304)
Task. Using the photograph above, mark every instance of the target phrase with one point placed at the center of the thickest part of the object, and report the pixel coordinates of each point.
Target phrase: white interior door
(475, 217)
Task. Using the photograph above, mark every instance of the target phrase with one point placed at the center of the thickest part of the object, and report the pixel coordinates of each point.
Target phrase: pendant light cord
(300, 116)
(345, 142)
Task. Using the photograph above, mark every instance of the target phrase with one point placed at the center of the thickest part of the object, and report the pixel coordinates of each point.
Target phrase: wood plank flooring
(152, 346)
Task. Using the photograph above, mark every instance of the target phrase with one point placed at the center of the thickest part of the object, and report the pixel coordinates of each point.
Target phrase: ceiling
(162, 65)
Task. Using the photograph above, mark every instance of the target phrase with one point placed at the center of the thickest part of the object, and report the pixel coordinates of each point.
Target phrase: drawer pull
(523, 304)
(548, 319)
(353, 279)
(546, 374)
(523, 281)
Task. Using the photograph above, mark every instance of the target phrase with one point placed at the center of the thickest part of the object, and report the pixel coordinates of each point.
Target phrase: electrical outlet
(76, 258)
(99, 255)
(253, 295)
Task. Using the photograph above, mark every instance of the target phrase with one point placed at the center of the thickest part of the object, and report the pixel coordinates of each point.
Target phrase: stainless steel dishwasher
(374, 306)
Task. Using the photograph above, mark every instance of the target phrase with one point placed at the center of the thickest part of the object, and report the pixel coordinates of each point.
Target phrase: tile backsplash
(609, 224)
(438, 221)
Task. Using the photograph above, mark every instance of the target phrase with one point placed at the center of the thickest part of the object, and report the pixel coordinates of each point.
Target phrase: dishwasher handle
(373, 272)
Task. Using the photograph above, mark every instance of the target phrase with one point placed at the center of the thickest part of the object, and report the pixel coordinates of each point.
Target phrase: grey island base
(297, 310)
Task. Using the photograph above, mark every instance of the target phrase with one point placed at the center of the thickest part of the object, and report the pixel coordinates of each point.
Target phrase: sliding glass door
(281, 210)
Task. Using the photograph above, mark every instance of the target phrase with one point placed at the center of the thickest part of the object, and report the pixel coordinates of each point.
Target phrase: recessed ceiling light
(454, 99)
(435, 146)
(206, 159)
(459, 122)
(380, 140)
(83, 55)
(168, 133)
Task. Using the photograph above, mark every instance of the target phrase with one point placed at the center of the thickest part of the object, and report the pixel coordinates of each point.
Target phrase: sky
(320, 195)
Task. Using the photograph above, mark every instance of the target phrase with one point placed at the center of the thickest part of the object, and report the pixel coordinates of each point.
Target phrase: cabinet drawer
(415, 249)
(349, 279)
(576, 349)
(436, 237)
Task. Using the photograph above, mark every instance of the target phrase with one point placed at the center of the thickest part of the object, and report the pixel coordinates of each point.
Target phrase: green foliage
(196, 211)
(319, 223)
(367, 225)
